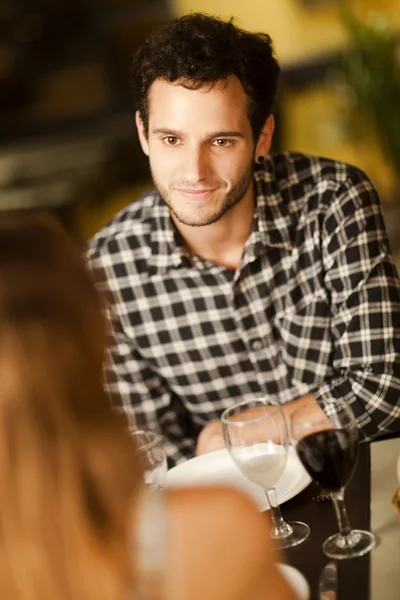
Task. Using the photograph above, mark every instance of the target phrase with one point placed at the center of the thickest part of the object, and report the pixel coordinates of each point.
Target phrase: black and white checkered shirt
(313, 307)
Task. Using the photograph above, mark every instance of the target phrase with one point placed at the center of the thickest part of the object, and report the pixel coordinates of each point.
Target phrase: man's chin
(197, 216)
(189, 221)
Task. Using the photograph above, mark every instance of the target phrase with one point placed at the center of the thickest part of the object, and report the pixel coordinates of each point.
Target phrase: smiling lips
(197, 194)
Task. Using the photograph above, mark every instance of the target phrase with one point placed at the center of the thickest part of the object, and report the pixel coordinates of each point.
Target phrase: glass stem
(279, 527)
(341, 514)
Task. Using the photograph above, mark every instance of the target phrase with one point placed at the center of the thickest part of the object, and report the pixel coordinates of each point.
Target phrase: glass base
(355, 544)
(295, 533)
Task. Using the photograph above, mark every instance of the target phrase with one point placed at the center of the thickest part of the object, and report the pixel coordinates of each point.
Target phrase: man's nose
(197, 166)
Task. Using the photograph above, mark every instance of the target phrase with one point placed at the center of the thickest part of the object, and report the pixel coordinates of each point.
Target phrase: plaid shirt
(314, 306)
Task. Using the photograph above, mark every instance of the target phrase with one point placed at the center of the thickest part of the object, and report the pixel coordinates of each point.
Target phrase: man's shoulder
(132, 221)
(294, 167)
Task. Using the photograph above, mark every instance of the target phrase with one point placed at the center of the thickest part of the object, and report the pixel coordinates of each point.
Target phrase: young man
(243, 274)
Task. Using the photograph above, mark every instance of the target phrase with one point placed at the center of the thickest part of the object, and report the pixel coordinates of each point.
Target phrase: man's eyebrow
(224, 134)
(167, 132)
(209, 136)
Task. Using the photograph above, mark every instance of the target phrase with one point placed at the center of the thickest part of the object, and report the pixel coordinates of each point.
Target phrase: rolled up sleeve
(365, 309)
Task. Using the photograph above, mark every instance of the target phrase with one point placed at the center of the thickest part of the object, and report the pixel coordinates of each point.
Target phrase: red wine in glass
(330, 457)
(326, 438)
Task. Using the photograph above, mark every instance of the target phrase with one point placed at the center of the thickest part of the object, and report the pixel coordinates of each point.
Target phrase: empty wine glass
(152, 455)
(257, 438)
(327, 444)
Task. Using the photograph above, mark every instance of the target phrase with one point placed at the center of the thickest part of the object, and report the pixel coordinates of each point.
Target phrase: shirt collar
(272, 219)
(166, 252)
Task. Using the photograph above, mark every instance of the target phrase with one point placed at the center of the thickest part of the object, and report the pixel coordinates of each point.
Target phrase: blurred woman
(75, 523)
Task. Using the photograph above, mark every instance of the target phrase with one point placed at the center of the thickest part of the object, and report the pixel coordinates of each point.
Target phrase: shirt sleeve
(144, 397)
(365, 308)
(135, 389)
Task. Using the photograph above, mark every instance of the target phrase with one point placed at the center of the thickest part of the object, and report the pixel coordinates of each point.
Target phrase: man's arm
(212, 438)
(364, 289)
(135, 389)
(145, 399)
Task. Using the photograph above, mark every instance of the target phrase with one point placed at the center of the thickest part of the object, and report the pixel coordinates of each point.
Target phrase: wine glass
(152, 456)
(257, 439)
(327, 444)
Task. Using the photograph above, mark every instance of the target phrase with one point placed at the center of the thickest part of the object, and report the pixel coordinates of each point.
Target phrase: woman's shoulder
(219, 545)
(216, 511)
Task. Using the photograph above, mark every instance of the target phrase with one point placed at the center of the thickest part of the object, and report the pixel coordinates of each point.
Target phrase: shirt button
(256, 344)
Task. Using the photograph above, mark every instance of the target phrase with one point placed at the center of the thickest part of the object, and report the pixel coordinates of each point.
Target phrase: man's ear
(143, 139)
(265, 138)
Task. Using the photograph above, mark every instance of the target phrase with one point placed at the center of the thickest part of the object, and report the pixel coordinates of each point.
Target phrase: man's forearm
(212, 438)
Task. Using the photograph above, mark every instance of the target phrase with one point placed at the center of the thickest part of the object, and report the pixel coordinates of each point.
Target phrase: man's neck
(222, 242)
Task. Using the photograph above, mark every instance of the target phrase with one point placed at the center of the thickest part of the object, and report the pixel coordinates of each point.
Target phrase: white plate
(218, 468)
(296, 580)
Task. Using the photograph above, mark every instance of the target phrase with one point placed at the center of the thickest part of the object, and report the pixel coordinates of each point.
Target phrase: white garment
(150, 544)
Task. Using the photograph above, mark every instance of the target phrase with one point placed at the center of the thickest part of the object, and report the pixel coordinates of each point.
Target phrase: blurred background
(68, 145)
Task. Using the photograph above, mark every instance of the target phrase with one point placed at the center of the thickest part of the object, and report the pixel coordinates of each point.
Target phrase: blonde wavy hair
(69, 474)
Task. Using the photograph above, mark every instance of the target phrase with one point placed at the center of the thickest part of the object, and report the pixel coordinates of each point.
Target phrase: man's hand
(210, 438)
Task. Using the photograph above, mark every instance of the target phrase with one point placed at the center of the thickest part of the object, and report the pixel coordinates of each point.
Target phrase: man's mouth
(200, 194)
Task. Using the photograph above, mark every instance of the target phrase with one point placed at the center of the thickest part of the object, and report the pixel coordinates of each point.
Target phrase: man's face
(201, 148)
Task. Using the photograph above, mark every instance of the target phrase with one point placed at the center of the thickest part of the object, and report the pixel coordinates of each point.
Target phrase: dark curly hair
(197, 50)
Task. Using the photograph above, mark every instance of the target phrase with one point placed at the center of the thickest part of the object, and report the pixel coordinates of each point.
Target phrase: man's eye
(221, 143)
(171, 140)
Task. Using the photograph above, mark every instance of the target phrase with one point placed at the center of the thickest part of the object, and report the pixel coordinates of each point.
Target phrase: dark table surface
(354, 575)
